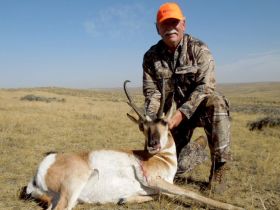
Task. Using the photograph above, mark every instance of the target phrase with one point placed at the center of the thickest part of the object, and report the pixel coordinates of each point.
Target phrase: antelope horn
(130, 102)
(162, 100)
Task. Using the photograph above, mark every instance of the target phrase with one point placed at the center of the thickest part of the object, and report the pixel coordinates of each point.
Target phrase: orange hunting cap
(169, 10)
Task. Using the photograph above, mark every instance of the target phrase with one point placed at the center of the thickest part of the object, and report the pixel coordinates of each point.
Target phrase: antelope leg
(166, 187)
(135, 199)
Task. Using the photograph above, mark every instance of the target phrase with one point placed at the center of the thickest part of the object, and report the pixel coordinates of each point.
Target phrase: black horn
(130, 102)
(162, 100)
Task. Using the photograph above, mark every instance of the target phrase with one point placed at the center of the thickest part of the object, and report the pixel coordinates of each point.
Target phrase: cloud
(117, 21)
(253, 68)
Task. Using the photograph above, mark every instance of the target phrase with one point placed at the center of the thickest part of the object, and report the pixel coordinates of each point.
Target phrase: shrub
(264, 122)
(41, 98)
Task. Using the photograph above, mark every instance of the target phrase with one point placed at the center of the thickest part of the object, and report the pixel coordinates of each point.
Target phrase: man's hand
(176, 119)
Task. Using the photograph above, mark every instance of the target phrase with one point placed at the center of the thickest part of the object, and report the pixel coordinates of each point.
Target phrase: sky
(99, 44)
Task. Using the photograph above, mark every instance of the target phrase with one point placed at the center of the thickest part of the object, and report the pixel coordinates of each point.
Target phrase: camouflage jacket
(188, 74)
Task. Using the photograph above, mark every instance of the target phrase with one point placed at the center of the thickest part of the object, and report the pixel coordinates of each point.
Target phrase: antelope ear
(141, 127)
(170, 112)
(138, 122)
(148, 118)
(133, 119)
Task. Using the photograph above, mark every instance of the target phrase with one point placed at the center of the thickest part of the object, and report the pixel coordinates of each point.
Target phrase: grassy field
(80, 120)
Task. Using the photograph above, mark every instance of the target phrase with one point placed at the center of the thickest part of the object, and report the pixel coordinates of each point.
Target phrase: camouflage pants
(213, 115)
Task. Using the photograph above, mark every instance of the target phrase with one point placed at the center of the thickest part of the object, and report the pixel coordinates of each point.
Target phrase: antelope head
(156, 130)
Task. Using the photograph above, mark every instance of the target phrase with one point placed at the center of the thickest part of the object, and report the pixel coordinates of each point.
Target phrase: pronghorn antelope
(116, 176)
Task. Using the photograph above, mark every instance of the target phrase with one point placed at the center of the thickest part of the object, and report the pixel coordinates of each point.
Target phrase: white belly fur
(115, 177)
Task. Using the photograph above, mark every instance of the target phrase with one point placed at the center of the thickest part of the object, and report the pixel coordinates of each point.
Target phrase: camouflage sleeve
(150, 90)
(205, 79)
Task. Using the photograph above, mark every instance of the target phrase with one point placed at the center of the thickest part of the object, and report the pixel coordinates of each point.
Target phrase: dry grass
(91, 119)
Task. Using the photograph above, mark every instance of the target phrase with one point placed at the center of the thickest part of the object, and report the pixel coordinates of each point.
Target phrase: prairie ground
(67, 120)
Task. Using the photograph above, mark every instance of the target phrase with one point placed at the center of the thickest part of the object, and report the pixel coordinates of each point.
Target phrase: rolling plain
(34, 121)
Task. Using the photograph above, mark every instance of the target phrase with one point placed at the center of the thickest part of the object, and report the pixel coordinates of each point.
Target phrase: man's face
(172, 31)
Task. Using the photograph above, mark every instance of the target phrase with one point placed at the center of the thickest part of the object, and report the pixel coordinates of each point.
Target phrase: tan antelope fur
(115, 176)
